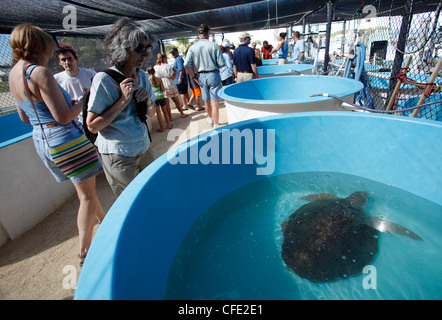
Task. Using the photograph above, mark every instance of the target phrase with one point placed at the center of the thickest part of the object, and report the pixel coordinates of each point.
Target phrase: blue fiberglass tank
(266, 62)
(137, 251)
(13, 130)
(277, 95)
(284, 70)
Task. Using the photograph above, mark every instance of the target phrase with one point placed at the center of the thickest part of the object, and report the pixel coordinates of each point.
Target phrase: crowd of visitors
(119, 100)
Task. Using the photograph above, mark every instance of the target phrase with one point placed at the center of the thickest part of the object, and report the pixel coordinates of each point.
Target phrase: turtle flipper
(384, 225)
(284, 226)
(319, 196)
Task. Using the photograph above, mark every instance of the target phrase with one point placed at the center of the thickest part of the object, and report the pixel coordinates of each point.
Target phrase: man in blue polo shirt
(181, 78)
(244, 61)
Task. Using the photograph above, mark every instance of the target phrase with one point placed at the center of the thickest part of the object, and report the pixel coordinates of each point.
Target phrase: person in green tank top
(158, 89)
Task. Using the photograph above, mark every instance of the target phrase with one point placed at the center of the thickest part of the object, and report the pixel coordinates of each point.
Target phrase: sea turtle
(332, 238)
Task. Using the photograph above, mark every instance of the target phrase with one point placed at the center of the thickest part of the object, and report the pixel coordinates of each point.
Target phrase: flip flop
(190, 107)
(81, 258)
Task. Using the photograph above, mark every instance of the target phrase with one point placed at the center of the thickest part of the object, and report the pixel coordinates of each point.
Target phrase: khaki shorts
(121, 170)
(244, 76)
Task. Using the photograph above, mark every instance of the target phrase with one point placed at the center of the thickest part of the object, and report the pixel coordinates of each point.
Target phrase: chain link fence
(391, 42)
(91, 53)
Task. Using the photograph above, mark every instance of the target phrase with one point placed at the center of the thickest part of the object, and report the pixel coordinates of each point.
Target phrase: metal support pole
(400, 48)
(330, 11)
(163, 48)
(343, 39)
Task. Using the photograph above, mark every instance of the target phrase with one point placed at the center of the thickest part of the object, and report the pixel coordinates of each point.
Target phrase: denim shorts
(160, 102)
(56, 136)
(210, 85)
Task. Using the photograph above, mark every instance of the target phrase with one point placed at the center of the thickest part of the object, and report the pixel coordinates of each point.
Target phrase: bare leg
(179, 106)
(186, 99)
(89, 210)
(198, 103)
(160, 120)
(166, 116)
(215, 112)
(169, 112)
(208, 106)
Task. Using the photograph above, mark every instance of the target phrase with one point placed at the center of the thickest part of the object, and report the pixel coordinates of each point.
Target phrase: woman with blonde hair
(282, 48)
(167, 73)
(33, 86)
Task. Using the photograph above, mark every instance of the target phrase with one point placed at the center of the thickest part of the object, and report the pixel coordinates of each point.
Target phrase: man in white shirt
(76, 81)
(299, 48)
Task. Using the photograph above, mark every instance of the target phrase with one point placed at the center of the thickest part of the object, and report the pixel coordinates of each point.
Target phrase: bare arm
(255, 70)
(301, 56)
(280, 45)
(43, 82)
(95, 122)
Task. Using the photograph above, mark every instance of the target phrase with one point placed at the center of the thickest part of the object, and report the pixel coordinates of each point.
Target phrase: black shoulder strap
(117, 76)
(141, 107)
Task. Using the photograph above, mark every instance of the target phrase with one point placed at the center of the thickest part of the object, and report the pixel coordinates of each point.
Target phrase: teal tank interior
(13, 130)
(159, 244)
(266, 62)
(289, 90)
(284, 69)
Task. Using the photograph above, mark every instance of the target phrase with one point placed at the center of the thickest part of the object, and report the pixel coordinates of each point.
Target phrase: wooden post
(398, 86)
(427, 88)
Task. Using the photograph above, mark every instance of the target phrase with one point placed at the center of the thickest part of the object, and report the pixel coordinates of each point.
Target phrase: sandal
(81, 258)
(190, 107)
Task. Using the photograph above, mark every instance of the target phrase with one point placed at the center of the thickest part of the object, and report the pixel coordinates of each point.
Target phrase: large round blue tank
(277, 95)
(133, 250)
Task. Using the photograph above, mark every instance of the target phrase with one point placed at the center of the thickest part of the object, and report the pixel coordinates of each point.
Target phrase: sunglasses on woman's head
(63, 48)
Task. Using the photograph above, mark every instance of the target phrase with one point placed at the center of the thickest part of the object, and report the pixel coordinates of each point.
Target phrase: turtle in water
(331, 238)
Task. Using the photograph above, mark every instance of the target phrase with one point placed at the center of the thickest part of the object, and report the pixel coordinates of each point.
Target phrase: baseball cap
(226, 43)
(173, 50)
(244, 35)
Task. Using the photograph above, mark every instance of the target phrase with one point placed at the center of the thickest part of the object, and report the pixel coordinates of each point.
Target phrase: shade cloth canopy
(171, 19)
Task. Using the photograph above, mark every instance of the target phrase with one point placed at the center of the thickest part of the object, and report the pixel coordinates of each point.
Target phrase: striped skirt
(75, 156)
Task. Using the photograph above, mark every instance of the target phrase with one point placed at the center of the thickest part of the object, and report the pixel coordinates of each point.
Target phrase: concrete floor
(42, 264)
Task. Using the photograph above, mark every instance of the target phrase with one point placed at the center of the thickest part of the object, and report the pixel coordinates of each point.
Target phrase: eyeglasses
(141, 49)
(64, 48)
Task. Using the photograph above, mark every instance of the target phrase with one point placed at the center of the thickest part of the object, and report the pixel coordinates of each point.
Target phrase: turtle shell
(327, 240)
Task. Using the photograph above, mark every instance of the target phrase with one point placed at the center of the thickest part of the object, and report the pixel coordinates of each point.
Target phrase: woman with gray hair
(123, 139)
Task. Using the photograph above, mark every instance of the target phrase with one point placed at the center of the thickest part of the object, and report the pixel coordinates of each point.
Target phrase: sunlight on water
(233, 251)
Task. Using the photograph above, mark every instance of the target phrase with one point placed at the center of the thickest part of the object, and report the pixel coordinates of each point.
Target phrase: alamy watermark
(370, 280)
(231, 146)
(69, 17)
